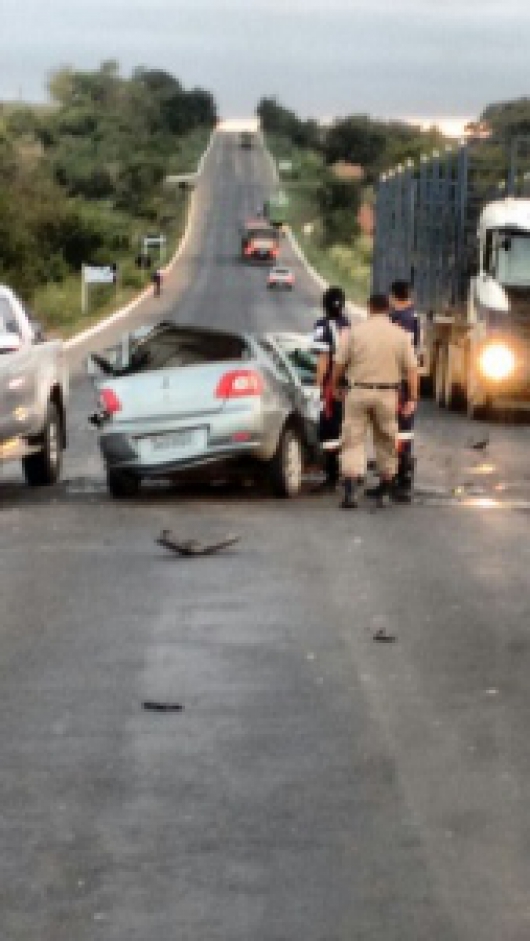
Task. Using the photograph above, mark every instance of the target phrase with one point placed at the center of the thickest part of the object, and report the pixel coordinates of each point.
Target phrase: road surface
(313, 784)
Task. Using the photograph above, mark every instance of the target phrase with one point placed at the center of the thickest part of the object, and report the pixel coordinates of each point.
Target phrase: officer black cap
(333, 301)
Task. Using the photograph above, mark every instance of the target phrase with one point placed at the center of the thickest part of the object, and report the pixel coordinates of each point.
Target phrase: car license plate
(186, 440)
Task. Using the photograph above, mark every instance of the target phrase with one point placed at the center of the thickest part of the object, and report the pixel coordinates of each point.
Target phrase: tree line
(74, 173)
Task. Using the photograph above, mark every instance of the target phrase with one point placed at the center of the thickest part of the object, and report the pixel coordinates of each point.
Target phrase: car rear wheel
(43, 468)
(286, 467)
(122, 485)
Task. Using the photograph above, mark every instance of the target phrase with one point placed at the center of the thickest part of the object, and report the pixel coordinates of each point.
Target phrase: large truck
(463, 240)
(33, 394)
(260, 241)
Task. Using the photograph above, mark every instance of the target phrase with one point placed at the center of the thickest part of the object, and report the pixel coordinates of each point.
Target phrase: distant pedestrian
(156, 278)
(328, 333)
(403, 313)
(377, 356)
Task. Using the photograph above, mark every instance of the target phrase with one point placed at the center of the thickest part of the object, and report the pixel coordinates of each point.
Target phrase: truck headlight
(497, 361)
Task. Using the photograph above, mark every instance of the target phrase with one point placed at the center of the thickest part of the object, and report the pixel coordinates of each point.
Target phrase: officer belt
(375, 385)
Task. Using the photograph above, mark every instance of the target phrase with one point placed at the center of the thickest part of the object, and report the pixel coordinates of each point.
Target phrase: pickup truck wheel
(122, 485)
(286, 467)
(43, 468)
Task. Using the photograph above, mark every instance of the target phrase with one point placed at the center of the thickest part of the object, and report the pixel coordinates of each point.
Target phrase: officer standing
(377, 356)
(403, 314)
(328, 333)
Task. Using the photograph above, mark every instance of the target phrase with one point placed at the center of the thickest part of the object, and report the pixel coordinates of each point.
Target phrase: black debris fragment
(480, 445)
(151, 706)
(383, 637)
(192, 547)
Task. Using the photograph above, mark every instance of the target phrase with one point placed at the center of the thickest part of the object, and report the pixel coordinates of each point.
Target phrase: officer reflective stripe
(405, 436)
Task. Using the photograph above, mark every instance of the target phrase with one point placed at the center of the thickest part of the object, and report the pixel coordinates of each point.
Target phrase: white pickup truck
(33, 394)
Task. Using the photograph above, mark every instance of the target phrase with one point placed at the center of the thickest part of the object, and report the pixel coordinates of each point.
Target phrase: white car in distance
(280, 277)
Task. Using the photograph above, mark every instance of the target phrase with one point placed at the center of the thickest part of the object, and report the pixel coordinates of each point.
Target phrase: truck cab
(499, 304)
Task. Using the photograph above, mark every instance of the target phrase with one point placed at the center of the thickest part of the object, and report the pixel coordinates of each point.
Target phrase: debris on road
(151, 705)
(480, 445)
(193, 547)
(383, 637)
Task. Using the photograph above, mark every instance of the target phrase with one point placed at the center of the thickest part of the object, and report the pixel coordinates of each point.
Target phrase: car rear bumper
(231, 435)
(118, 454)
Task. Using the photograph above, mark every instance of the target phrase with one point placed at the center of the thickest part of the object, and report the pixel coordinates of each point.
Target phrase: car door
(17, 381)
(301, 367)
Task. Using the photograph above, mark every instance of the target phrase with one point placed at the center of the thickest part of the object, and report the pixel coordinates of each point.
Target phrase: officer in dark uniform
(403, 314)
(328, 332)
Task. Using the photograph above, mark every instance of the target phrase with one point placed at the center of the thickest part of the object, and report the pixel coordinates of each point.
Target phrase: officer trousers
(375, 409)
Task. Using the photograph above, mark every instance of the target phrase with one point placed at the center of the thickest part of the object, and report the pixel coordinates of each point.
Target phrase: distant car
(180, 401)
(280, 277)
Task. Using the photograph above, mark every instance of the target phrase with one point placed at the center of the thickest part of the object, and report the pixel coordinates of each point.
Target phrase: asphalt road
(315, 784)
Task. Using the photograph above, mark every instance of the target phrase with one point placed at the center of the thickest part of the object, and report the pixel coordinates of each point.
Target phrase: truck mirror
(9, 342)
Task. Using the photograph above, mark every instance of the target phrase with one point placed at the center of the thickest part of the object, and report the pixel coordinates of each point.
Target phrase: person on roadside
(403, 313)
(156, 278)
(376, 357)
(328, 333)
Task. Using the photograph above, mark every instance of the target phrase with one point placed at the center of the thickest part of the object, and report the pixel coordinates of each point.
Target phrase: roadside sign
(150, 240)
(92, 274)
(105, 274)
(154, 240)
(285, 166)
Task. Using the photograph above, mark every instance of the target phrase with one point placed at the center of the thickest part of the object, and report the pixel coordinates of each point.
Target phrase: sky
(322, 58)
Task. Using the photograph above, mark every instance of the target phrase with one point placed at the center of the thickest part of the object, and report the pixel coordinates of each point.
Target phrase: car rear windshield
(170, 347)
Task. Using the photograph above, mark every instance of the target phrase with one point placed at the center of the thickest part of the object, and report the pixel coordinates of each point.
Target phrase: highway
(312, 783)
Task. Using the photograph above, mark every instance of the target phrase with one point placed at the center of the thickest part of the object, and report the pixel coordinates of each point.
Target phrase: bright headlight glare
(497, 361)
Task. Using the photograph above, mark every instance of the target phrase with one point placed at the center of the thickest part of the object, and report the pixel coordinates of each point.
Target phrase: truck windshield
(513, 259)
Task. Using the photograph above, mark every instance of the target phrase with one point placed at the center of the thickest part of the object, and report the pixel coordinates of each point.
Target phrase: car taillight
(109, 401)
(239, 383)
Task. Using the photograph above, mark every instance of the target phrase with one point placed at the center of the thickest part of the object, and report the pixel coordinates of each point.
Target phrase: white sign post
(159, 240)
(90, 274)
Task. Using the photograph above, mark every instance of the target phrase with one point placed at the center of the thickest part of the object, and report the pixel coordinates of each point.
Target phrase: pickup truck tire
(122, 485)
(286, 467)
(43, 468)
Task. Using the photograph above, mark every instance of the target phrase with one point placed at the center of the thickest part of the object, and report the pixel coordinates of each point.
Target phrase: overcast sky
(390, 58)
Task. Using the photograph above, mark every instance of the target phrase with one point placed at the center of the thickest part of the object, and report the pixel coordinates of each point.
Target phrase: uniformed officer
(403, 314)
(377, 356)
(328, 332)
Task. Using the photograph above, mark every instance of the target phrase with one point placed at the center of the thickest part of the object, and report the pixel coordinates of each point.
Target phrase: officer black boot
(404, 481)
(385, 494)
(352, 489)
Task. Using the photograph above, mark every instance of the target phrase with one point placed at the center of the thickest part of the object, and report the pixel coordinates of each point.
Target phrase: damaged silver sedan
(177, 401)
